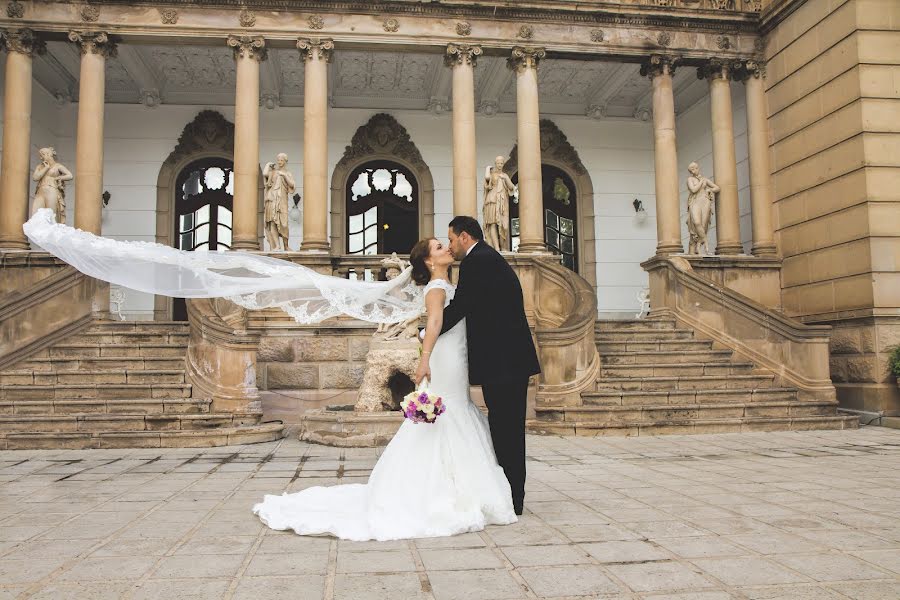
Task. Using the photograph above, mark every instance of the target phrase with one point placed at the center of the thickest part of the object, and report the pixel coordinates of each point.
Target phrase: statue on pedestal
(279, 187)
(700, 208)
(498, 188)
(51, 178)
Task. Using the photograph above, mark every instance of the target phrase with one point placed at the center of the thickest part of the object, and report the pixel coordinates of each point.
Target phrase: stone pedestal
(386, 360)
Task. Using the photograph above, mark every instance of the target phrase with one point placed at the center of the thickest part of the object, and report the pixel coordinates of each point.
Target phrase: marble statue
(51, 178)
(279, 188)
(498, 189)
(701, 200)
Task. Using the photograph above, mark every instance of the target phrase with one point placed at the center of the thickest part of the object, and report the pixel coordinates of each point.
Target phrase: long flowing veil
(249, 280)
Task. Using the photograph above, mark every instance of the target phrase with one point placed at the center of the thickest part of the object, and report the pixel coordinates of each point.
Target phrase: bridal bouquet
(421, 406)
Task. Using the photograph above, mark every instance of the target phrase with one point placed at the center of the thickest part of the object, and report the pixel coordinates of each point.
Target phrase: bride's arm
(434, 305)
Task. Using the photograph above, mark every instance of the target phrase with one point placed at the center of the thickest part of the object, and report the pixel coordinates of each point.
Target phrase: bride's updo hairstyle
(421, 274)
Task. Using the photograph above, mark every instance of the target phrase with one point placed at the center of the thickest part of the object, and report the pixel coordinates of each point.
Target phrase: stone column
(668, 228)
(317, 54)
(248, 53)
(95, 48)
(760, 174)
(461, 60)
(524, 61)
(728, 228)
(21, 45)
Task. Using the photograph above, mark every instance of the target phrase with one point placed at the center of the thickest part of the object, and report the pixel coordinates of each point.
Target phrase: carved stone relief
(383, 134)
(90, 14)
(168, 16)
(316, 22)
(597, 35)
(23, 41)
(209, 131)
(464, 28)
(248, 47)
(391, 25)
(15, 10)
(94, 42)
(247, 18)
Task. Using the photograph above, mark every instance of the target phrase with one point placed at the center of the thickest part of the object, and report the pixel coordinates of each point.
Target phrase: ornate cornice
(209, 131)
(525, 58)
(554, 145)
(659, 64)
(24, 41)
(715, 68)
(458, 54)
(741, 70)
(383, 134)
(246, 46)
(94, 42)
(314, 48)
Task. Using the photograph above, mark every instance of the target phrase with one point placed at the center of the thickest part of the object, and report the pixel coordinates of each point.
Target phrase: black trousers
(506, 403)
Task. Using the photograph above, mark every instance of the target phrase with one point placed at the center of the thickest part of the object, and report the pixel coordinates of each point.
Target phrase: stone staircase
(656, 378)
(116, 385)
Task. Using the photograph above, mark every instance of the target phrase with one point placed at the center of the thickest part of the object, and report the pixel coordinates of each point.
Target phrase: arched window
(560, 215)
(204, 196)
(382, 209)
(203, 204)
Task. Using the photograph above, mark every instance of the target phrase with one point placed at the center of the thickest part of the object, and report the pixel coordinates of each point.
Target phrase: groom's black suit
(501, 352)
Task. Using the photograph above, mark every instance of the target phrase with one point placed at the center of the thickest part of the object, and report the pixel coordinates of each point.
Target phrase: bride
(434, 479)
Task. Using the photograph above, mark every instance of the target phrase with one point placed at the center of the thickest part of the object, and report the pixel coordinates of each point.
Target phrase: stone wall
(834, 106)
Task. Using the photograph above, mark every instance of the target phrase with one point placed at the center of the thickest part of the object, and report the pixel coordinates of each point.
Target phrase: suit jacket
(489, 297)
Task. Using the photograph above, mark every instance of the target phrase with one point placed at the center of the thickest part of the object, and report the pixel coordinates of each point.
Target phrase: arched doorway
(382, 140)
(382, 207)
(203, 207)
(560, 200)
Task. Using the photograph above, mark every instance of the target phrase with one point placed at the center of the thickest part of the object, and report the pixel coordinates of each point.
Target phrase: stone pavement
(811, 515)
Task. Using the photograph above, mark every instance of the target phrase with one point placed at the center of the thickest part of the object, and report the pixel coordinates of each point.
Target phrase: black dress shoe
(517, 505)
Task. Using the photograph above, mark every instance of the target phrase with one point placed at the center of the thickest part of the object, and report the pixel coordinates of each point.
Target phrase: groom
(501, 351)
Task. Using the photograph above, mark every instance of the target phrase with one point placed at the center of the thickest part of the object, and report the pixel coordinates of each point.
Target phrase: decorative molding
(659, 64)
(246, 46)
(489, 108)
(458, 54)
(150, 98)
(742, 70)
(322, 49)
(438, 106)
(722, 4)
(526, 32)
(723, 42)
(664, 39)
(247, 18)
(754, 5)
(595, 111)
(208, 132)
(464, 28)
(15, 10)
(270, 101)
(642, 113)
(23, 41)
(90, 14)
(525, 58)
(168, 16)
(715, 68)
(63, 98)
(94, 42)
(391, 25)
(383, 134)
(554, 145)
(316, 22)
(597, 36)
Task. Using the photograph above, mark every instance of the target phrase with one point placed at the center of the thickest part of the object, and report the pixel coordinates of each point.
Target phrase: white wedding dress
(432, 480)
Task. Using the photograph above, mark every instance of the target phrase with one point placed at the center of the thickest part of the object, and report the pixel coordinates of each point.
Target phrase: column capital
(316, 48)
(716, 68)
(458, 54)
(24, 41)
(525, 57)
(742, 70)
(659, 64)
(94, 42)
(246, 46)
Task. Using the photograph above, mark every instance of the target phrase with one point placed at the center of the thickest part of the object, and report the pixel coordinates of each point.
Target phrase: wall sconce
(295, 211)
(640, 215)
(106, 196)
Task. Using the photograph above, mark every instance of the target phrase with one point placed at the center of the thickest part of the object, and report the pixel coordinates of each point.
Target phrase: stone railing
(221, 356)
(796, 353)
(57, 299)
(562, 308)
(361, 267)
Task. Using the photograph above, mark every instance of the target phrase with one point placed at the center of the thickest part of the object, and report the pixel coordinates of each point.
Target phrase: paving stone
(387, 561)
(534, 556)
(109, 568)
(378, 587)
(84, 590)
(659, 576)
(576, 580)
(791, 592)
(468, 585)
(308, 587)
(194, 589)
(625, 552)
(831, 567)
(747, 571)
(868, 590)
(207, 565)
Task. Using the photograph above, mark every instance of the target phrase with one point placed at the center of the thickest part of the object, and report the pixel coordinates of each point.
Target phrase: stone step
(189, 438)
(101, 363)
(78, 406)
(658, 356)
(698, 382)
(130, 337)
(138, 326)
(640, 398)
(676, 369)
(117, 390)
(103, 422)
(667, 413)
(604, 346)
(631, 324)
(75, 350)
(97, 377)
(693, 427)
(637, 334)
